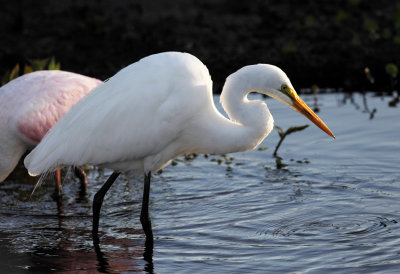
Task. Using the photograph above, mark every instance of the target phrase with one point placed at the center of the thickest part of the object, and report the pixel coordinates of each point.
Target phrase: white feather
(156, 109)
(122, 120)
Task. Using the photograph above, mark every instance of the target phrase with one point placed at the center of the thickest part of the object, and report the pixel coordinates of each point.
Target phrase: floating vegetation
(304, 161)
(190, 157)
(262, 148)
(223, 159)
(228, 160)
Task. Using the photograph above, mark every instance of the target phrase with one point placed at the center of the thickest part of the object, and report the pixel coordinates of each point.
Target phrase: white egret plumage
(157, 109)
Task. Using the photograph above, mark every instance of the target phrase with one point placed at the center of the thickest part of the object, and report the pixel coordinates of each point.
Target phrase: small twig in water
(283, 134)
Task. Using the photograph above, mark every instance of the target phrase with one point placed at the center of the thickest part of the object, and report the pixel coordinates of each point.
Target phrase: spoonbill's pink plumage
(30, 105)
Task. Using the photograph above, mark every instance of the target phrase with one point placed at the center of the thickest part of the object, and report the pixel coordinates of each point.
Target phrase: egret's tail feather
(37, 165)
(40, 181)
(31, 166)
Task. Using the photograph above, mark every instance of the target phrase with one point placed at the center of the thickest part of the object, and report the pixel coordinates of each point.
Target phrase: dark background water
(334, 206)
(328, 43)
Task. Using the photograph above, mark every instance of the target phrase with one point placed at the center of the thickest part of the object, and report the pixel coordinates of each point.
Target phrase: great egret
(157, 109)
(30, 105)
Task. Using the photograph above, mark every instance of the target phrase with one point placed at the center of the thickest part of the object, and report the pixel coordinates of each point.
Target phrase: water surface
(333, 207)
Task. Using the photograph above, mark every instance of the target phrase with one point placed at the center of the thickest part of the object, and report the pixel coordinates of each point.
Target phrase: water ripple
(340, 227)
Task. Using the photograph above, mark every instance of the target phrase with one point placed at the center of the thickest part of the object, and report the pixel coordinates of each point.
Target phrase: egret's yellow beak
(302, 107)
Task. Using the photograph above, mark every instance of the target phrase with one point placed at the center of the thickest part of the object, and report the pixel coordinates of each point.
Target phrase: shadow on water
(67, 257)
(103, 260)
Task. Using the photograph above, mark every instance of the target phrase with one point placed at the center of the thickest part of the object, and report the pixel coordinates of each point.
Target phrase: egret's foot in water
(144, 215)
(98, 201)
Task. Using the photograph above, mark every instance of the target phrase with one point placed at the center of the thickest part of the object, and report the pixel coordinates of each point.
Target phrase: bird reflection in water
(64, 243)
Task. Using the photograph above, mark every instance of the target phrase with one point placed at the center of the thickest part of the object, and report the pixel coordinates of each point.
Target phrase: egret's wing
(132, 115)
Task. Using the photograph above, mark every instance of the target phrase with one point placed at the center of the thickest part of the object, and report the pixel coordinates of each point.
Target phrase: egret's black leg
(144, 215)
(98, 201)
(102, 260)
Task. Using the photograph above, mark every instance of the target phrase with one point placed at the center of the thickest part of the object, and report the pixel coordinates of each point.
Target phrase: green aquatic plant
(190, 156)
(228, 160)
(309, 21)
(283, 134)
(44, 64)
(355, 41)
(396, 39)
(289, 47)
(279, 163)
(34, 65)
(386, 33)
(371, 25)
(223, 158)
(341, 16)
(392, 70)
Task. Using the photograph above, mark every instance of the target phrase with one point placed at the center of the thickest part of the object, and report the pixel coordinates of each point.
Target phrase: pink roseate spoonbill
(157, 109)
(29, 106)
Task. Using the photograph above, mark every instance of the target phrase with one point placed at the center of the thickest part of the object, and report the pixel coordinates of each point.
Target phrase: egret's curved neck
(249, 122)
(252, 117)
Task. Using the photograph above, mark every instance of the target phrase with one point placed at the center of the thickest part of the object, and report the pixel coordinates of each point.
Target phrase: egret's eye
(287, 91)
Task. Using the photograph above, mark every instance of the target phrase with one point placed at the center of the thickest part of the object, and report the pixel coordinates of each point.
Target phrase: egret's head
(287, 95)
(272, 81)
(277, 85)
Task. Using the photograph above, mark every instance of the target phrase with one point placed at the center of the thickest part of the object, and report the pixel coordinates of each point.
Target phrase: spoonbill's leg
(58, 185)
(144, 215)
(81, 175)
(98, 201)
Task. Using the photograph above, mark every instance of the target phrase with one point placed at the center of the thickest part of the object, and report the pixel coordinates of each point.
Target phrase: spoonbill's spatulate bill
(157, 109)
(30, 105)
